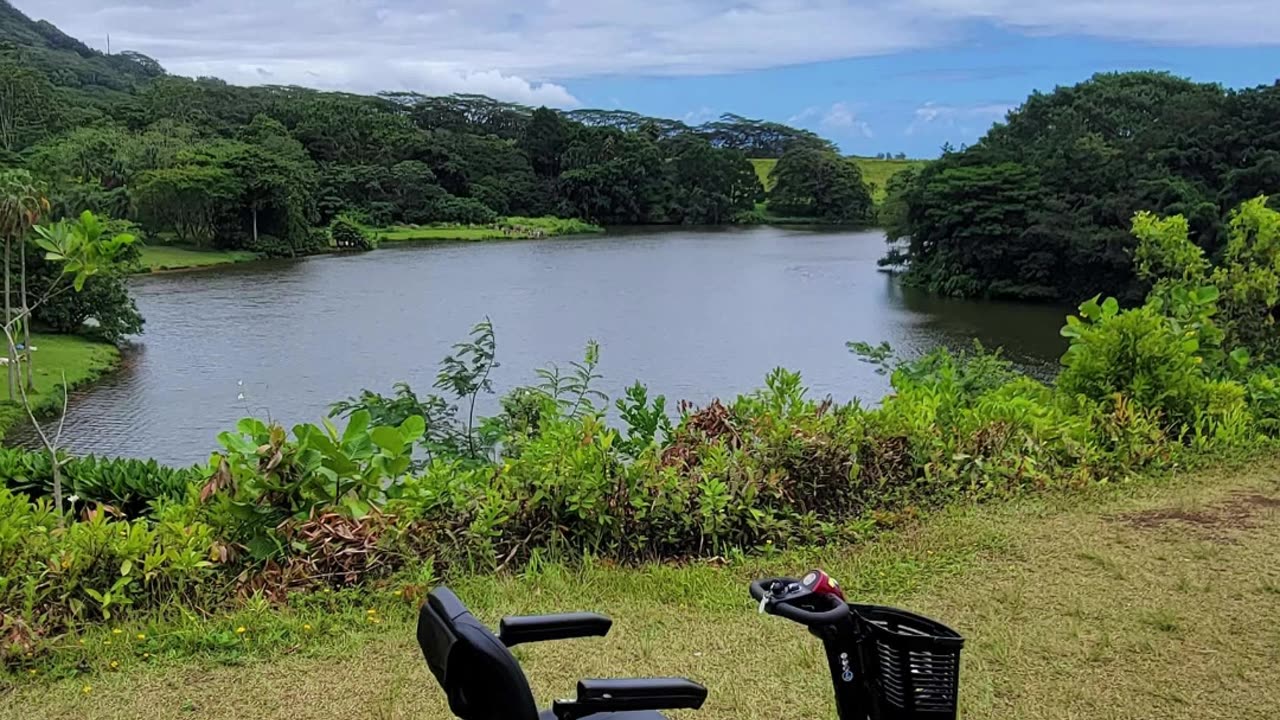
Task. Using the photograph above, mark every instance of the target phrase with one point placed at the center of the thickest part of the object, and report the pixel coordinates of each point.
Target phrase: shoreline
(90, 360)
(783, 222)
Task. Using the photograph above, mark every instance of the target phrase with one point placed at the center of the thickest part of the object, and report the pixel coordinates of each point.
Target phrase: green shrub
(347, 234)
(264, 477)
(54, 577)
(467, 211)
(1137, 353)
(129, 486)
(269, 245)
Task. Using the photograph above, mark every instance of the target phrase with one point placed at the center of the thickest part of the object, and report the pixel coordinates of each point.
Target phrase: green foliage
(347, 234)
(810, 182)
(1138, 354)
(462, 210)
(98, 568)
(1040, 208)
(263, 477)
(128, 486)
(647, 424)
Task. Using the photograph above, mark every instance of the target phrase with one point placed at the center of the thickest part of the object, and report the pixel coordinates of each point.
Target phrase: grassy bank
(875, 172)
(511, 228)
(1148, 600)
(83, 360)
(167, 257)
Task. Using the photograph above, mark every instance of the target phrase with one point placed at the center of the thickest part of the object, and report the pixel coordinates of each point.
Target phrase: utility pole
(108, 43)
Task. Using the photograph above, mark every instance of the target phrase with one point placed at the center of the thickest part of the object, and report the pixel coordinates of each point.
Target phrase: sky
(874, 75)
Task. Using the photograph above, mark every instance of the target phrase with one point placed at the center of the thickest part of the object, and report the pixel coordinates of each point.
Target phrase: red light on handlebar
(819, 582)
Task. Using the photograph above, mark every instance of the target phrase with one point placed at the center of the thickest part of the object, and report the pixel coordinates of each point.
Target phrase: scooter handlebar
(786, 605)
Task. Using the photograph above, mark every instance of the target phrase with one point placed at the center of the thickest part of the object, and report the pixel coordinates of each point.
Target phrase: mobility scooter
(885, 664)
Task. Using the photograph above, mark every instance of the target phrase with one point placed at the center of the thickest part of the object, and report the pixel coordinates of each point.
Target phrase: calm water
(695, 314)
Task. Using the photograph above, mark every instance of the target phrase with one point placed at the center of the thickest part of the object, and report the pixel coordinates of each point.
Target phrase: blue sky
(914, 101)
(873, 75)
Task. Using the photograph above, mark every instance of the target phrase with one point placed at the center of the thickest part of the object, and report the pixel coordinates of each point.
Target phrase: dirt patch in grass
(1219, 522)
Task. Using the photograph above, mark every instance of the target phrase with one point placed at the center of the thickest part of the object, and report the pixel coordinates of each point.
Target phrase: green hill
(875, 172)
(66, 61)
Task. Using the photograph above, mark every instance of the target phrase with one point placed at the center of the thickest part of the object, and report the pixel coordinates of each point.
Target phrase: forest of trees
(1040, 207)
(260, 168)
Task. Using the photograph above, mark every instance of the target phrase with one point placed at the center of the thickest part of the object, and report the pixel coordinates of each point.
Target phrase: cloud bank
(524, 50)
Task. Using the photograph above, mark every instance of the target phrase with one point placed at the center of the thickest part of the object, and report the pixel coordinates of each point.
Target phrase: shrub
(128, 486)
(269, 245)
(347, 234)
(1136, 353)
(467, 211)
(95, 569)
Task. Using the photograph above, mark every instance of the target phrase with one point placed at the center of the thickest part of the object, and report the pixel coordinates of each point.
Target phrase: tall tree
(22, 202)
(813, 182)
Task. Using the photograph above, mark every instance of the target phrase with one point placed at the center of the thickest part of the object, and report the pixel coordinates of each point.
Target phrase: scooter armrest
(537, 628)
(629, 694)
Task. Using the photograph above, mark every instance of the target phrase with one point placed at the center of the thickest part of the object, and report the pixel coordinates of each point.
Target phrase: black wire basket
(912, 664)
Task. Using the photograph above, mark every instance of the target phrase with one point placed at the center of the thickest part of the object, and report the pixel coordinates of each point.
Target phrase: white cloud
(699, 116)
(523, 49)
(964, 117)
(838, 119)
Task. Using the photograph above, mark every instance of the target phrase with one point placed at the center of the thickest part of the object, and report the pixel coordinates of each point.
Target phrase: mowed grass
(510, 228)
(463, 232)
(1156, 601)
(875, 172)
(168, 257)
(82, 359)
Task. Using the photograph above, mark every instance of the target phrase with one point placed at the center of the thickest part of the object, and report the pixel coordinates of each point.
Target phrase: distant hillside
(66, 61)
(875, 172)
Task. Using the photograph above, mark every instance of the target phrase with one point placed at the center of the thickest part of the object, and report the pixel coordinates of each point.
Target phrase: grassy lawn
(507, 229)
(874, 172)
(464, 232)
(168, 257)
(82, 359)
(1157, 600)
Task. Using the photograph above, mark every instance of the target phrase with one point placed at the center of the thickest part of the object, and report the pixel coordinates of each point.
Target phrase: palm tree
(22, 202)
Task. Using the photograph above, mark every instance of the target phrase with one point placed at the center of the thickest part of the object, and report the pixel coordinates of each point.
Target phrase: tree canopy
(213, 164)
(1039, 208)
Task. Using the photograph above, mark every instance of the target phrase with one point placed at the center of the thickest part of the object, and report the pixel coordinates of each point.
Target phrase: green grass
(1151, 600)
(83, 360)
(875, 172)
(461, 232)
(168, 257)
(506, 229)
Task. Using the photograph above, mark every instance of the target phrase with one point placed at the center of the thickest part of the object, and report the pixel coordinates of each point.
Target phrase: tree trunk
(26, 318)
(255, 226)
(57, 483)
(8, 318)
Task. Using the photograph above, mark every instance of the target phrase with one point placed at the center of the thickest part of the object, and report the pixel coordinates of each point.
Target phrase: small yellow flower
(106, 642)
(142, 636)
(306, 626)
(32, 671)
(146, 656)
(398, 593)
(240, 630)
(374, 620)
(81, 641)
(116, 631)
(86, 689)
(114, 664)
(372, 611)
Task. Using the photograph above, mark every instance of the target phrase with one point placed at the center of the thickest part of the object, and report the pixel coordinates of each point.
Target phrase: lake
(695, 314)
